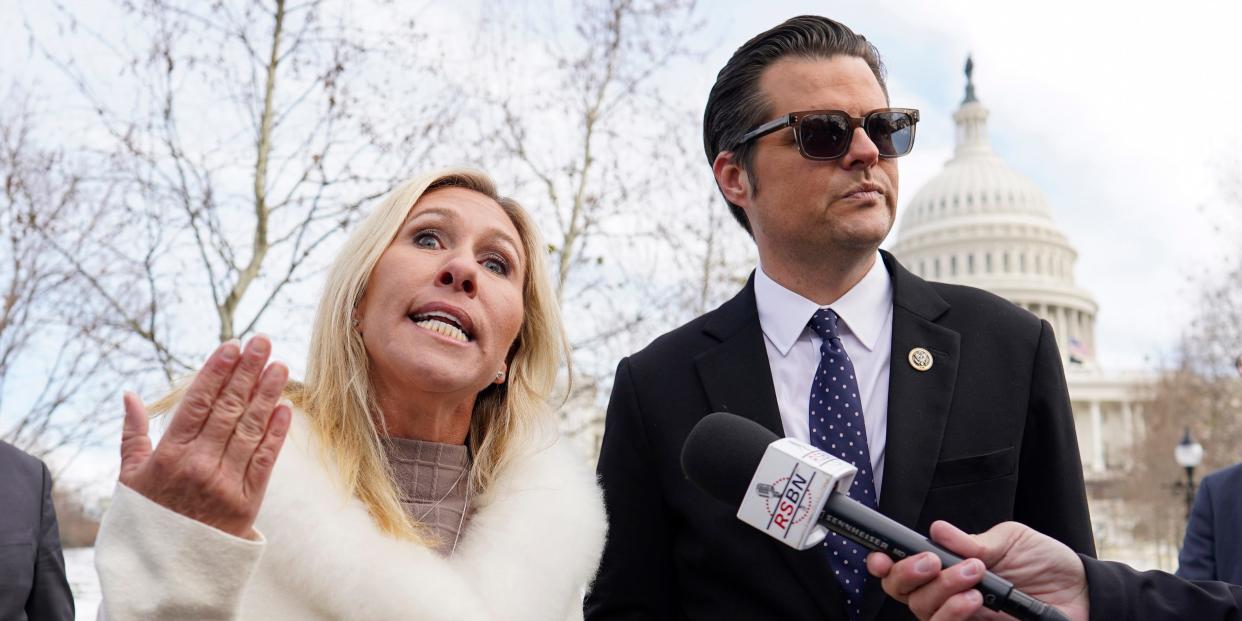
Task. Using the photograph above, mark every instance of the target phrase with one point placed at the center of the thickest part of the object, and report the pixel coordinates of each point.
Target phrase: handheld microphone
(797, 493)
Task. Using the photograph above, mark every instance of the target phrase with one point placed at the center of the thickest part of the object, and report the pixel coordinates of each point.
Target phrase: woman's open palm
(214, 461)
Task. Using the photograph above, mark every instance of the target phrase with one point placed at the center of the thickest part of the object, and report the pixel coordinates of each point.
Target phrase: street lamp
(1188, 454)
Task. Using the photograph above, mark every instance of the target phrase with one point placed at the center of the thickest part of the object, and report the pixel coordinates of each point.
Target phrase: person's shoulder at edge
(18, 458)
(1227, 473)
(968, 304)
(972, 308)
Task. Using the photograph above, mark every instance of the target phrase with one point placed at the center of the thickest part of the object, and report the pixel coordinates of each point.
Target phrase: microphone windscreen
(721, 455)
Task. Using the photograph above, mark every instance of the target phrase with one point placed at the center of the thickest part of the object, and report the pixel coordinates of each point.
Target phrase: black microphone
(777, 482)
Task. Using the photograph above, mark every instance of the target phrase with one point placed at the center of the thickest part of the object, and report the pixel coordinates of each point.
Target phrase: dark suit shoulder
(15, 460)
(974, 302)
(674, 342)
(979, 313)
(21, 489)
(967, 310)
(1117, 591)
(1228, 477)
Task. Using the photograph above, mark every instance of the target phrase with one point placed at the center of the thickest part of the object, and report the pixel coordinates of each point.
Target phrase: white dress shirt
(866, 329)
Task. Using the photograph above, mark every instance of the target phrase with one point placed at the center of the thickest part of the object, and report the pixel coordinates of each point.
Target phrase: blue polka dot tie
(837, 428)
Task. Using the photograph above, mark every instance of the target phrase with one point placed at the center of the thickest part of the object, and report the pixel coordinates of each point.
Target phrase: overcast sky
(1126, 119)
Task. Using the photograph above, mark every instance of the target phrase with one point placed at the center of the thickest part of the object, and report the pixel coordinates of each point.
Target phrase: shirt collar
(783, 314)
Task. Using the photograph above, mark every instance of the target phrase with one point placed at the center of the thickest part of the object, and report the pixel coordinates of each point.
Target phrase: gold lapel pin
(920, 359)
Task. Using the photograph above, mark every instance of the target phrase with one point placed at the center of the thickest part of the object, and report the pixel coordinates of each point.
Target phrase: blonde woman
(414, 475)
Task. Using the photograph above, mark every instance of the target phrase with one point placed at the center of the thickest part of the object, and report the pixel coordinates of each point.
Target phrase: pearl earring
(500, 376)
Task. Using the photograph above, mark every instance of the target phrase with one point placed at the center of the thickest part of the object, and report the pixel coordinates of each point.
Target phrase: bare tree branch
(44, 361)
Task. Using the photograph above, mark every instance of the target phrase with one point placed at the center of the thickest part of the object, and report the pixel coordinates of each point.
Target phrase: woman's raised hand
(214, 461)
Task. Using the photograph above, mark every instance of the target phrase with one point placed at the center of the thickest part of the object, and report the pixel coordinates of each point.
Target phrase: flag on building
(1077, 351)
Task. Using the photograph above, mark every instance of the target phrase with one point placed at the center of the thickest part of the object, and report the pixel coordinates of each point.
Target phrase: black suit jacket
(1212, 549)
(986, 435)
(32, 569)
(1118, 592)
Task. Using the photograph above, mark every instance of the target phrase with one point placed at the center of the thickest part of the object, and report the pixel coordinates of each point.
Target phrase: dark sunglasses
(826, 134)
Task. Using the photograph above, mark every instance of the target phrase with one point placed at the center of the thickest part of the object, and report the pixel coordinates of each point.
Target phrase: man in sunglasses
(950, 401)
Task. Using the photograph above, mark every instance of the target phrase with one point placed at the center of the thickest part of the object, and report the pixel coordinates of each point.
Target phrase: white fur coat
(529, 550)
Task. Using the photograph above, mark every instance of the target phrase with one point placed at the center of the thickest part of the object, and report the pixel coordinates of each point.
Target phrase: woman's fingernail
(230, 350)
(259, 344)
(971, 569)
(924, 564)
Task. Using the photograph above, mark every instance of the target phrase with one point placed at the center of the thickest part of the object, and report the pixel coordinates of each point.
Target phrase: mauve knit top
(432, 479)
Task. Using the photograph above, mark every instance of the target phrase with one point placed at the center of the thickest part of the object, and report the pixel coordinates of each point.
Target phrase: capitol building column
(1097, 437)
(1076, 326)
(1062, 330)
(1127, 424)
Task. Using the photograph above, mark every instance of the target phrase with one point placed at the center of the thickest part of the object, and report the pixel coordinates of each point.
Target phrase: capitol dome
(983, 224)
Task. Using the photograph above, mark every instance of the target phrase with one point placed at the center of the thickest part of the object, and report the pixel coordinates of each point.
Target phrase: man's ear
(733, 181)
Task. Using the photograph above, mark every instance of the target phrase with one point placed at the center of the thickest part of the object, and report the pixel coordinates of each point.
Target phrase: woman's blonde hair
(338, 395)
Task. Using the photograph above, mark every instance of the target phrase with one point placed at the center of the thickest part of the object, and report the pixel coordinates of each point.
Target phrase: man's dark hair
(736, 105)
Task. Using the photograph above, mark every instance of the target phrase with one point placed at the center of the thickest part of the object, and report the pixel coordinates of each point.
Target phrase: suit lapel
(738, 379)
(918, 401)
(735, 373)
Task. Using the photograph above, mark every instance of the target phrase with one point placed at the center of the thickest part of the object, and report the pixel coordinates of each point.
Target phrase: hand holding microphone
(794, 493)
(1040, 565)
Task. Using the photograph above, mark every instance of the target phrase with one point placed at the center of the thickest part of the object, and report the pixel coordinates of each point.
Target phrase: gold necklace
(423, 517)
(461, 522)
(465, 507)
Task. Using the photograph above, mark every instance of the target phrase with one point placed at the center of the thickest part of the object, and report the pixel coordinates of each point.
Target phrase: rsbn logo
(787, 501)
